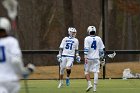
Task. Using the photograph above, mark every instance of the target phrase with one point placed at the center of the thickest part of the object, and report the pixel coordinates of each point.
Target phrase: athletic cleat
(60, 85)
(94, 88)
(67, 81)
(88, 88)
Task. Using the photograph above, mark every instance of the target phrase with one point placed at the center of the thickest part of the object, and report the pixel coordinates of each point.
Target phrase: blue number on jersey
(93, 45)
(2, 54)
(69, 46)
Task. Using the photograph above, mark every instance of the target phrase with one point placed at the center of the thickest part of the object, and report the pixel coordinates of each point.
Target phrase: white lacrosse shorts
(92, 66)
(67, 62)
(9, 87)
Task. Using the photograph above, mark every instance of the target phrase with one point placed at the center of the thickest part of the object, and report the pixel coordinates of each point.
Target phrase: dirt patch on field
(113, 70)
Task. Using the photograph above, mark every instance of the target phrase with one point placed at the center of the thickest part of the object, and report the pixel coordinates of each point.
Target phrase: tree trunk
(68, 13)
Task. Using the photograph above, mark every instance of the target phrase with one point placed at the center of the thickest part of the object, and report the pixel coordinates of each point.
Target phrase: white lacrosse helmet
(5, 24)
(72, 31)
(91, 28)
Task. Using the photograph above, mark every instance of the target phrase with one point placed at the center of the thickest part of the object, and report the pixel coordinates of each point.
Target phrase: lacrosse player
(93, 51)
(10, 60)
(68, 50)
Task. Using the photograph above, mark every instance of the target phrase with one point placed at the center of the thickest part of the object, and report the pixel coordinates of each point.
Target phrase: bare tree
(68, 13)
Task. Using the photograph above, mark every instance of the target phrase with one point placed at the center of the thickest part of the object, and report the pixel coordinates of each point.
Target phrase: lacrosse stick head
(112, 55)
(11, 7)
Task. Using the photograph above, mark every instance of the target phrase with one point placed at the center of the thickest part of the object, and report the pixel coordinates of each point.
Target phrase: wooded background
(43, 23)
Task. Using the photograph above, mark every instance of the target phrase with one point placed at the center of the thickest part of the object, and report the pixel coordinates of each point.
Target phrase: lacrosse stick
(109, 56)
(26, 86)
(11, 7)
(30, 68)
(112, 55)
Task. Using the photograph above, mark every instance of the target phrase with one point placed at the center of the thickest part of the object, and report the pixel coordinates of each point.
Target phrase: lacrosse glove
(59, 58)
(30, 69)
(78, 59)
(102, 62)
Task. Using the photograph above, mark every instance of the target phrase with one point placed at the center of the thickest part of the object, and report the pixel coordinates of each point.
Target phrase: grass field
(79, 86)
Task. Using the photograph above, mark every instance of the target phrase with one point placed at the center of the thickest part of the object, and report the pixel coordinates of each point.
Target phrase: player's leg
(96, 67)
(62, 68)
(68, 77)
(68, 69)
(10, 87)
(95, 81)
(14, 87)
(87, 75)
(61, 77)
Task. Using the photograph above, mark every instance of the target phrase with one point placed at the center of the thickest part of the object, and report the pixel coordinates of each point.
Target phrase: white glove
(31, 67)
(78, 59)
(59, 58)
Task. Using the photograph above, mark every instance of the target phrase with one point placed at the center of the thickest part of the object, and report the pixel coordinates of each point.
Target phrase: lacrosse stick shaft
(26, 86)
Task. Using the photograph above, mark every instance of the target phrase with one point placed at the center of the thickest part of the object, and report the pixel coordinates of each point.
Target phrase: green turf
(79, 86)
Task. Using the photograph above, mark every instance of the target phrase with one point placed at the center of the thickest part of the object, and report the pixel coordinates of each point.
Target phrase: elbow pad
(101, 53)
(85, 51)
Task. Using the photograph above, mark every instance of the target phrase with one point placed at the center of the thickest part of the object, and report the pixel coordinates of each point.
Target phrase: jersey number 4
(2, 54)
(93, 45)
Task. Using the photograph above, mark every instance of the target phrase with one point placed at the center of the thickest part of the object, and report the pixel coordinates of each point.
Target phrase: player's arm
(16, 60)
(78, 58)
(101, 49)
(102, 53)
(102, 56)
(77, 47)
(85, 54)
(86, 49)
(59, 56)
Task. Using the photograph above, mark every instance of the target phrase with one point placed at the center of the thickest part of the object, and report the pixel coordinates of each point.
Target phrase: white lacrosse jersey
(9, 48)
(69, 45)
(92, 45)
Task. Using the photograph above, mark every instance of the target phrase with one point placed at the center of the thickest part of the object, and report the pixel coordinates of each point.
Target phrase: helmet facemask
(72, 32)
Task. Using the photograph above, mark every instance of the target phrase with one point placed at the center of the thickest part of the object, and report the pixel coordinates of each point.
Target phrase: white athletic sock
(67, 77)
(94, 86)
(89, 82)
(95, 78)
(61, 81)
